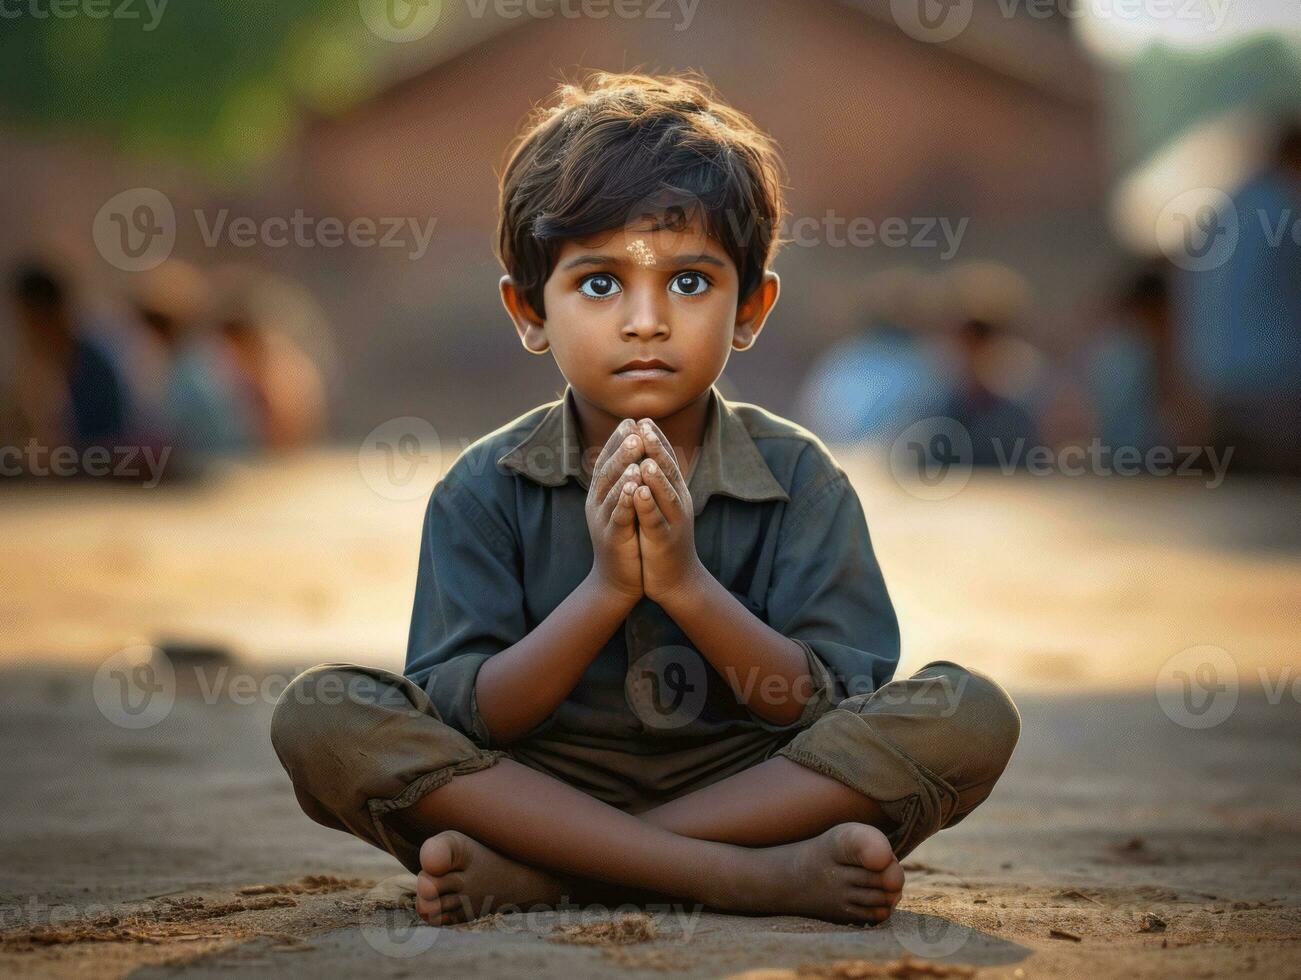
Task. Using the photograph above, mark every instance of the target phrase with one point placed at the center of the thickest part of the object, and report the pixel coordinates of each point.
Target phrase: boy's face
(666, 295)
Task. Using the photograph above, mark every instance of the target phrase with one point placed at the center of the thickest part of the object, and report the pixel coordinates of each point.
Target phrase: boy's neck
(684, 429)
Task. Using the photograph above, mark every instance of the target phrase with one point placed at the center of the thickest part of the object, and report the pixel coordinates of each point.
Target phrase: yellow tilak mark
(641, 252)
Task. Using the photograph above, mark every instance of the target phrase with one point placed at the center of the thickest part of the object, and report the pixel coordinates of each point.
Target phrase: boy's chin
(655, 400)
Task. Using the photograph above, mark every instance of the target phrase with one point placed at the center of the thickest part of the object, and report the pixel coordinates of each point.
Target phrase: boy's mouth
(651, 367)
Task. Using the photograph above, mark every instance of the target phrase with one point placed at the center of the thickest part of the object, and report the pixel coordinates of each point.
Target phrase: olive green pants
(360, 743)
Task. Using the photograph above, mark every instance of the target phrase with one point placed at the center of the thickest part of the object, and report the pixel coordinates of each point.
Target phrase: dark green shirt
(505, 541)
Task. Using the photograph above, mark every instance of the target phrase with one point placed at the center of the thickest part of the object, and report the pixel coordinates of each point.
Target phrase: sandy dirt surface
(1122, 841)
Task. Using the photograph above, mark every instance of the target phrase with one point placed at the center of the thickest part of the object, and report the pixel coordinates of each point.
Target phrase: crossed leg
(809, 850)
(776, 838)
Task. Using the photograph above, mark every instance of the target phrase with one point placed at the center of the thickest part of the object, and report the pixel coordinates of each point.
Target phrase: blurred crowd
(190, 360)
(1178, 355)
(203, 363)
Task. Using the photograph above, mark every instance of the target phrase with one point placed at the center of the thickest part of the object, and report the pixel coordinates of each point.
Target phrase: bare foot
(461, 879)
(847, 874)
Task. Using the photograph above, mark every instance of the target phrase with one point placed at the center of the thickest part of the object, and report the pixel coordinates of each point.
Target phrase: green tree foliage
(217, 83)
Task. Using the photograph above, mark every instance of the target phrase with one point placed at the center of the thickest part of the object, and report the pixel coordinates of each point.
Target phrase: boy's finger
(630, 473)
(612, 443)
(625, 512)
(648, 427)
(620, 432)
(649, 514)
(666, 497)
(658, 448)
(627, 451)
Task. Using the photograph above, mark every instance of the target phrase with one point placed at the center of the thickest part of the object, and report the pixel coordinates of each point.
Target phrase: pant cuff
(391, 839)
(844, 746)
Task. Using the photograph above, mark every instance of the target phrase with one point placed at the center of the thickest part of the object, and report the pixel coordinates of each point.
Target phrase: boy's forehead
(646, 243)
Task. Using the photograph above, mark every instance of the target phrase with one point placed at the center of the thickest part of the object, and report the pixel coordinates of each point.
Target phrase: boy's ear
(752, 311)
(530, 327)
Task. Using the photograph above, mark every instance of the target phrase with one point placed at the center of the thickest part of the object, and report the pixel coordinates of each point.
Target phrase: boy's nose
(646, 319)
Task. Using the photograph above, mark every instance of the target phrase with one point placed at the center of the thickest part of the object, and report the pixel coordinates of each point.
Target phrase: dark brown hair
(621, 146)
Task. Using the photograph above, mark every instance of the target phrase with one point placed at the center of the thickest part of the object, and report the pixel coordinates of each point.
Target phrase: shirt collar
(728, 463)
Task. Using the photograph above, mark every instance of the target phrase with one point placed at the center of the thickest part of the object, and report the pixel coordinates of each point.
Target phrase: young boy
(651, 647)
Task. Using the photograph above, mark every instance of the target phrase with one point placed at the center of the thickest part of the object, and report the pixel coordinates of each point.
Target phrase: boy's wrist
(601, 591)
(689, 589)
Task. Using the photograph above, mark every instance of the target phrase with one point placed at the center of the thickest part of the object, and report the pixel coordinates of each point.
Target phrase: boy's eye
(689, 284)
(599, 286)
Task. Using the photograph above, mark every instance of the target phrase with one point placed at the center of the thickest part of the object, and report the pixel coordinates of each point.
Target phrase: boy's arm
(769, 673)
(833, 629)
(518, 688)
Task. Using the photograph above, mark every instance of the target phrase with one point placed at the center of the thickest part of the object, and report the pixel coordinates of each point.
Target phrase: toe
(443, 853)
(872, 898)
(444, 909)
(426, 887)
(455, 907)
(892, 878)
(879, 913)
(450, 884)
(864, 846)
(429, 910)
(430, 888)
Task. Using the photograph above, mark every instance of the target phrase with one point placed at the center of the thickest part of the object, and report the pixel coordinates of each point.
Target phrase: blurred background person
(877, 381)
(1240, 322)
(201, 402)
(1129, 365)
(69, 387)
(279, 381)
(982, 396)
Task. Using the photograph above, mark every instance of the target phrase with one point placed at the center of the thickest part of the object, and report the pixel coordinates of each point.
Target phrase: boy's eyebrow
(699, 258)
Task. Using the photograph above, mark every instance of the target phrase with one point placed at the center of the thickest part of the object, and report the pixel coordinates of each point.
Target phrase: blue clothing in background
(872, 386)
(1121, 375)
(204, 409)
(98, 403)
(1242, 320)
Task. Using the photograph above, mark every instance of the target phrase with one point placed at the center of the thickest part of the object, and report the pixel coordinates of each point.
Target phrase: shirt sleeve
(469, 604)
(828, 593)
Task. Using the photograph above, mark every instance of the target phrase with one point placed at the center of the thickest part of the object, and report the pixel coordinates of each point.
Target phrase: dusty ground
(135, 851)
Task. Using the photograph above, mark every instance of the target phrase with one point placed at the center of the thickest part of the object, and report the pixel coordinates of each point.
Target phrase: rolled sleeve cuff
(451, 687)
(824, 687)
